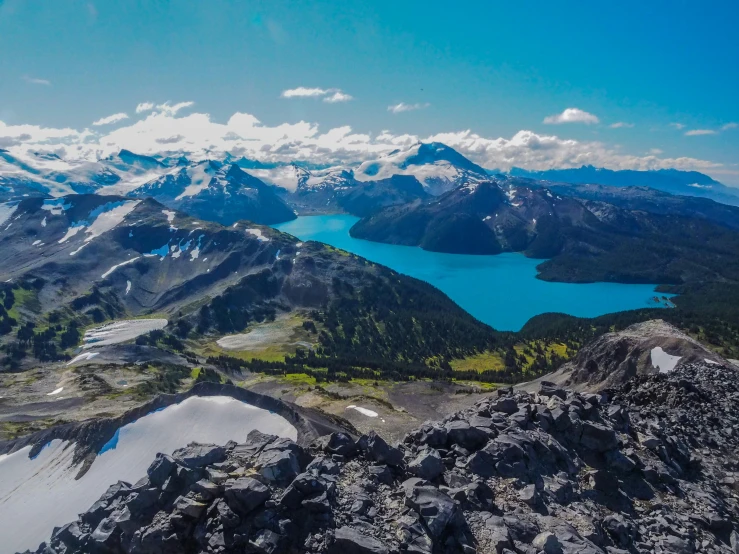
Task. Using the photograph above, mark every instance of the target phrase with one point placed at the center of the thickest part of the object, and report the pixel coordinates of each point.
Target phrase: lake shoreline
(502, 290)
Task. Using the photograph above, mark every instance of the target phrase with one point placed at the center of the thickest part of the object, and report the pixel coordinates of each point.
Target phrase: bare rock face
(647, 466)
(644, 348)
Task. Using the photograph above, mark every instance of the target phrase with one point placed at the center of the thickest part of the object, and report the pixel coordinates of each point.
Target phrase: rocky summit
(648, 466)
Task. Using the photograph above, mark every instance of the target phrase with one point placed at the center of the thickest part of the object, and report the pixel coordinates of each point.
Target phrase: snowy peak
(435, 152)
(137, 160)
(438, 167)
(218, 192)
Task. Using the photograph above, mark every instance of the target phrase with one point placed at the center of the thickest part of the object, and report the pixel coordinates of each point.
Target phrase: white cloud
(699, 132)
(36, 81)
(330, 95)
(572, 115)
(621, 125)
(115, 118)
(338, 96)
(303, 92)
(656, 151)
(728, 126)
(403, 107)
(173, 109)
(167, 132)
(678, 126)
(144, 107)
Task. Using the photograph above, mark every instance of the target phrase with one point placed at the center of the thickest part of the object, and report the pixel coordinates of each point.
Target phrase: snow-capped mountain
(43, 172)
(47, 174)
(296, 178)
(305, 187)
(438, 167)
(218, 192)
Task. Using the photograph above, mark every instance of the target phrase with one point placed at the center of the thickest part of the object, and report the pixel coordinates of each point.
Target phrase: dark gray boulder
(348, 540)
(245, 494)
(427, 465)
(199, 455)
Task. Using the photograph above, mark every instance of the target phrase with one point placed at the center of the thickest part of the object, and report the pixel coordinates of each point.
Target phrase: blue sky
(665, 71)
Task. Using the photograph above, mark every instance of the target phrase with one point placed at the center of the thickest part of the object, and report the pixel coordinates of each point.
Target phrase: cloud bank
(163, 129)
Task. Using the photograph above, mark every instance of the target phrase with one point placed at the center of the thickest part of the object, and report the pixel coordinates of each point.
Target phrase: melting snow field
(662, 360)
(364, 411)
(120, 331)
(6, 210)
(258, 233)
(38, 494)
(82, 357)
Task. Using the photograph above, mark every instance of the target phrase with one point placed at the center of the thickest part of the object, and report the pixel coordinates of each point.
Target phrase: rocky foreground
(648, 467)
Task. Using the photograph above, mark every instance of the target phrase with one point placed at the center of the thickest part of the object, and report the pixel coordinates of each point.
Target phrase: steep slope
(674, 181)
(587, 240)
(340, 192)
(217, 192)
(438, 167)
(79, 260)
(648, 467)
(649, 348)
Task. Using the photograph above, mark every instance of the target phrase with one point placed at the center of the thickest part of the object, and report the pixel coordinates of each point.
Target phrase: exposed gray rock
(348, 540)
(427, 464)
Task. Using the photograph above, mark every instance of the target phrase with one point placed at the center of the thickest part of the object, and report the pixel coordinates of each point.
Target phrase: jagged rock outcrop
(642, 348)
(649, 466)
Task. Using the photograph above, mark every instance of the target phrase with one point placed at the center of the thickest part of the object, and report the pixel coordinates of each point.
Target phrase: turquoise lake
(501, 290)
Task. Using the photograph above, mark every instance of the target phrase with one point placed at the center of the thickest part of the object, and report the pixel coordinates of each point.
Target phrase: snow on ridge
(112, 269)
(662, 360)
(258, 233)
(200, 177)
(56, 206)
(108, 219)
(170, 215)
(104, 218)
(7, 209)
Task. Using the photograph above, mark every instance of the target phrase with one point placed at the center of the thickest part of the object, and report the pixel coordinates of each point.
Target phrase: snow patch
(39, 494)
(6, 210)
(82, 357)
(258, 233)
(128, 287)
(200, 177)
(363, 411)
(75, 252)
(169, 214)
(120, 331)
(112, 269)
(55, 391)
(56, 206)
(662, 360)
(712, 362)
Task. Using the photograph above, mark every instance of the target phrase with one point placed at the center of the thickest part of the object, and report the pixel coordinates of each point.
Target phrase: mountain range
(583, 239)
(307, 187)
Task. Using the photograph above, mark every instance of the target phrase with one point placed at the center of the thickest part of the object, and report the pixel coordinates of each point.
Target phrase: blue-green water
(501, 290)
